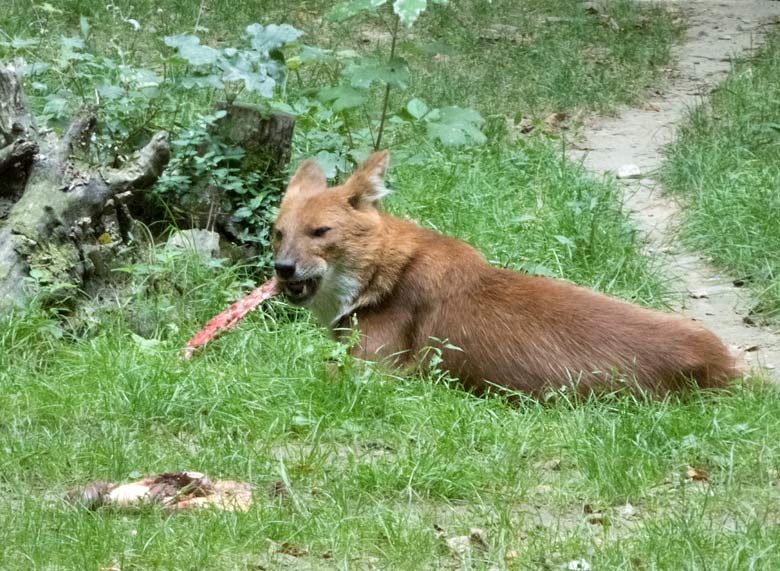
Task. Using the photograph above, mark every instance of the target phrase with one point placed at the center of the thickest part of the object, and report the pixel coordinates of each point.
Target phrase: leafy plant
(203, 166)
(257, 68)
(345, 106)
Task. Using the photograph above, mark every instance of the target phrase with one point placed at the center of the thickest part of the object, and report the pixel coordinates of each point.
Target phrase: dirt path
(718, 31)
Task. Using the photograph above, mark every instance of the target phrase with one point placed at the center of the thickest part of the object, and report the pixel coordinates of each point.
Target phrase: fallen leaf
(629, 171)
(587, 509)
(477, 536)
(697, 474)
(554, 121)
(279, 488)
(294, 550)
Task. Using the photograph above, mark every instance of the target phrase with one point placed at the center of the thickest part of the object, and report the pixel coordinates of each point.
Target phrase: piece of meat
(231, 316)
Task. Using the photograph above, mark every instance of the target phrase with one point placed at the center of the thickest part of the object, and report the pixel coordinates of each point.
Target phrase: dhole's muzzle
(299, 286)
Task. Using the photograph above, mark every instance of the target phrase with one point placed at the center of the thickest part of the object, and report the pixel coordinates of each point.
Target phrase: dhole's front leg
(383, 337)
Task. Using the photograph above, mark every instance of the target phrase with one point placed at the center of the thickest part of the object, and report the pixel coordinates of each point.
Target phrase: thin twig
(387, 88)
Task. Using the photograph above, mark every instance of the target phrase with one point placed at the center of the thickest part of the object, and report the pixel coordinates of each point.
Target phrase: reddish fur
(513, 330)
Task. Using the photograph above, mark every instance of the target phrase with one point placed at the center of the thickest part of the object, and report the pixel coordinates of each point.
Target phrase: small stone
(460, 544)
(700, 294)
(627, 511)
(554, 464)
(204, 243)
(629, 171)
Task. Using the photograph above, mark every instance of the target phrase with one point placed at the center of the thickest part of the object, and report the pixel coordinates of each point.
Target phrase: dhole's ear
(366, 186)
(308, 177)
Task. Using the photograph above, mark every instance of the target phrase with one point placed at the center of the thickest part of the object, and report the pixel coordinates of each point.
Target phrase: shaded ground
(717, 33)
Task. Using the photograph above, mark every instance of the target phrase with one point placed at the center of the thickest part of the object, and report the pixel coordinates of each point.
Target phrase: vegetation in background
(725, 165)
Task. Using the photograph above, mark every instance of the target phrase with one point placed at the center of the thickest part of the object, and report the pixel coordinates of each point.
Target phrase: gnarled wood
(64, 206)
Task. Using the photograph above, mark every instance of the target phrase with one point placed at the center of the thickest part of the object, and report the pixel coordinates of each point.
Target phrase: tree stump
(56, 211)
(266, 137)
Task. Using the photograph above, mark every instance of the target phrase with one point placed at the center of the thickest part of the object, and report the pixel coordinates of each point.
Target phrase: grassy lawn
(378, 472)
(726, 165)
(502, 57)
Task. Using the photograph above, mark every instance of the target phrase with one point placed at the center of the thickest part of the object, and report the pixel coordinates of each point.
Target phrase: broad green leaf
(33, 69)
(56, 106)
(254, 76)
(189, 48)
(209, 80)
(409, 10)
(538, 270)
(366, 72)
(455, 126)
(328, 162)
(73, 42)
(346, 10)
(565, 241)
(342, 97)
(110, 91)
(146, 346)
(143, 77)
(271, 37)
(242, 213)
(311, 54)
(417, 108)
(21, 43)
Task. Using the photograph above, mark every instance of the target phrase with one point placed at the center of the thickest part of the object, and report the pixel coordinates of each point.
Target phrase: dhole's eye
(320, 232)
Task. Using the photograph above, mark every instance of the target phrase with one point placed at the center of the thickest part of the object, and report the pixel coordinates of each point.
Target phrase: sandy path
(718, 31)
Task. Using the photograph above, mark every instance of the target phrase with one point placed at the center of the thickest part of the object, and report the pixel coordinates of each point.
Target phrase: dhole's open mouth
(301, 291)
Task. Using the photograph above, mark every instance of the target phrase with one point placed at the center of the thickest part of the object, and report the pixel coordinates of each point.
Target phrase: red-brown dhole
(407, 289)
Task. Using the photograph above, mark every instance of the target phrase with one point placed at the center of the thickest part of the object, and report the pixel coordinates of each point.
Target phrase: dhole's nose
(285, 269)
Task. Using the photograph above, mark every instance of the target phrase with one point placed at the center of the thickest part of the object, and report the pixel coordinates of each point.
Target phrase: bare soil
(718, 32)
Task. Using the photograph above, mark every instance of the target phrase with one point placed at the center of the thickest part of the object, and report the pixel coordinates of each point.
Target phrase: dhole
(407, 288)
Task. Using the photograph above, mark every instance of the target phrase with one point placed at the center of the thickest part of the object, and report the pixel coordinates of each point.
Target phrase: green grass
(372, 463)
(725, 165)
(381, 470)
(375, 465)
(502, 57)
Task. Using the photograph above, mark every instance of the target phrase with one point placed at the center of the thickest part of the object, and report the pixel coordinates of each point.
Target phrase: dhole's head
(325, 238)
